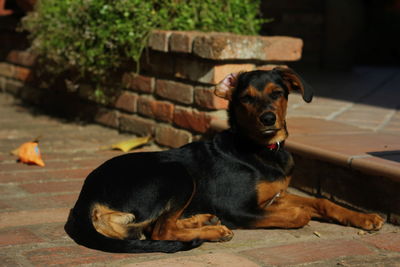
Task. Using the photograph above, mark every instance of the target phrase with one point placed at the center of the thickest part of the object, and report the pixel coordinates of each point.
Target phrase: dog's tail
(83, 233)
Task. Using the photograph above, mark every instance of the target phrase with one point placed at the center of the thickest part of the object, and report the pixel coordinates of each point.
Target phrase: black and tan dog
(177, 199)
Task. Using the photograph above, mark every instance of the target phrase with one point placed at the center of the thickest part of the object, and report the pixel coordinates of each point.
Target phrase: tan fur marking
(267, 191)
(253, 91)
(270, 87)
(169, 226)
(198, 220)
(116, 224)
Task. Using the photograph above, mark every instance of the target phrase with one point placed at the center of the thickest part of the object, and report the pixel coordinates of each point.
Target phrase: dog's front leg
(291, 211)
(327, 210)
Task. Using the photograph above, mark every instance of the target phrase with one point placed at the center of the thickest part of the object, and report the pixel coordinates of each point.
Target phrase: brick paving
(34, 201)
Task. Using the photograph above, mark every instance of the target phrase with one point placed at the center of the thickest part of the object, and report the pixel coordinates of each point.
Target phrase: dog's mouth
(270, 131)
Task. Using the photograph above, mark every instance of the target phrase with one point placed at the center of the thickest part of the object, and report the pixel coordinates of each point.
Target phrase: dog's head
(258, 102)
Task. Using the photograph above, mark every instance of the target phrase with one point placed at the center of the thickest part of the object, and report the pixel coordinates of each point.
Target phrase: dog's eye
(248, 99)
(275, 95)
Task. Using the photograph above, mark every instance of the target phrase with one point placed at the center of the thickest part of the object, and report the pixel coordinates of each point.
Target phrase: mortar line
(385, 121)
(333, 115)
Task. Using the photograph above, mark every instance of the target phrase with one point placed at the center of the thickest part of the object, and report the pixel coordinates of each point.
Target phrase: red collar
(275, 146)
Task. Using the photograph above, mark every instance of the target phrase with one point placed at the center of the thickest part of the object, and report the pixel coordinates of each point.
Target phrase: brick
(17, 237)
(69, 256)
(7, 70)
(158, 63)
(204, 260)
(176, 91)
(65, 199)
(52, 233)
(15, 72)
(23, 58)
(3, 83)
(221, 71)
(52, 187)
(136, 82)
(198, 70)
(193, 68)
(107, 117)
(387, 241)
(12, 86)
(33, 217)
(270, 66)
(127, 101)
(205, 98)
(8, 261)
(222, 46)
(181, 41)
(169, 136)
(192, 119)
(136, 124)
(158, 40)
(22, 73)
(307, 252)
(160, 110)
(35, 201)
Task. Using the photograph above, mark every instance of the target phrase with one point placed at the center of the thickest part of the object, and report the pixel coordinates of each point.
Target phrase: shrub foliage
(94, 37)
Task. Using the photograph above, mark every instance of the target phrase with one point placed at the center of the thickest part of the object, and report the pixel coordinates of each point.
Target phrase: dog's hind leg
(171, 228)
(116, 224)
(198, 220)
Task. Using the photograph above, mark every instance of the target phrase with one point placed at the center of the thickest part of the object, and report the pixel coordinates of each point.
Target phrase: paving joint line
(386, 120)
(333, 115)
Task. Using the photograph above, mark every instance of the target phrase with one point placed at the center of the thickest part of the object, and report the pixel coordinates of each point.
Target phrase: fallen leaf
(15, 152)
(29, 153)
(317, 234)
(130, 144)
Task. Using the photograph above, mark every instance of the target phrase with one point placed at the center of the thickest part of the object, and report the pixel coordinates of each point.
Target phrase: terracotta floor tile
(372, 114)
(313, 111)
(313, 126)
(354, 144)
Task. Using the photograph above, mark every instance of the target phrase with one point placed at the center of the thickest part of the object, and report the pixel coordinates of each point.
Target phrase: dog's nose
(268, 118)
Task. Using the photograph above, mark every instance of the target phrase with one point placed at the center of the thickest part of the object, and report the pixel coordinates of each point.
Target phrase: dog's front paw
(225, 234)
(371, 222)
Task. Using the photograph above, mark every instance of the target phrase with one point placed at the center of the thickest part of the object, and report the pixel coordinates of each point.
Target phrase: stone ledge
(230, 46)
(227, 46)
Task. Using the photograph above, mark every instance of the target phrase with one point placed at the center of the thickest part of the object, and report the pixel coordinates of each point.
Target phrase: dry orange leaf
(29, 153)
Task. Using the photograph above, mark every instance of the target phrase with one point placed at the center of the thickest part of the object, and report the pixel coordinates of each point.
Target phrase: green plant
(96, 37)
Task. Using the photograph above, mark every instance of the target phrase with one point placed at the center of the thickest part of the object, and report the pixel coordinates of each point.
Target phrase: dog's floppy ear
(294, 82)
(224, 88)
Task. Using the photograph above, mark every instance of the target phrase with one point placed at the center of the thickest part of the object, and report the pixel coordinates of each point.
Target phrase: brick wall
(172, 98)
